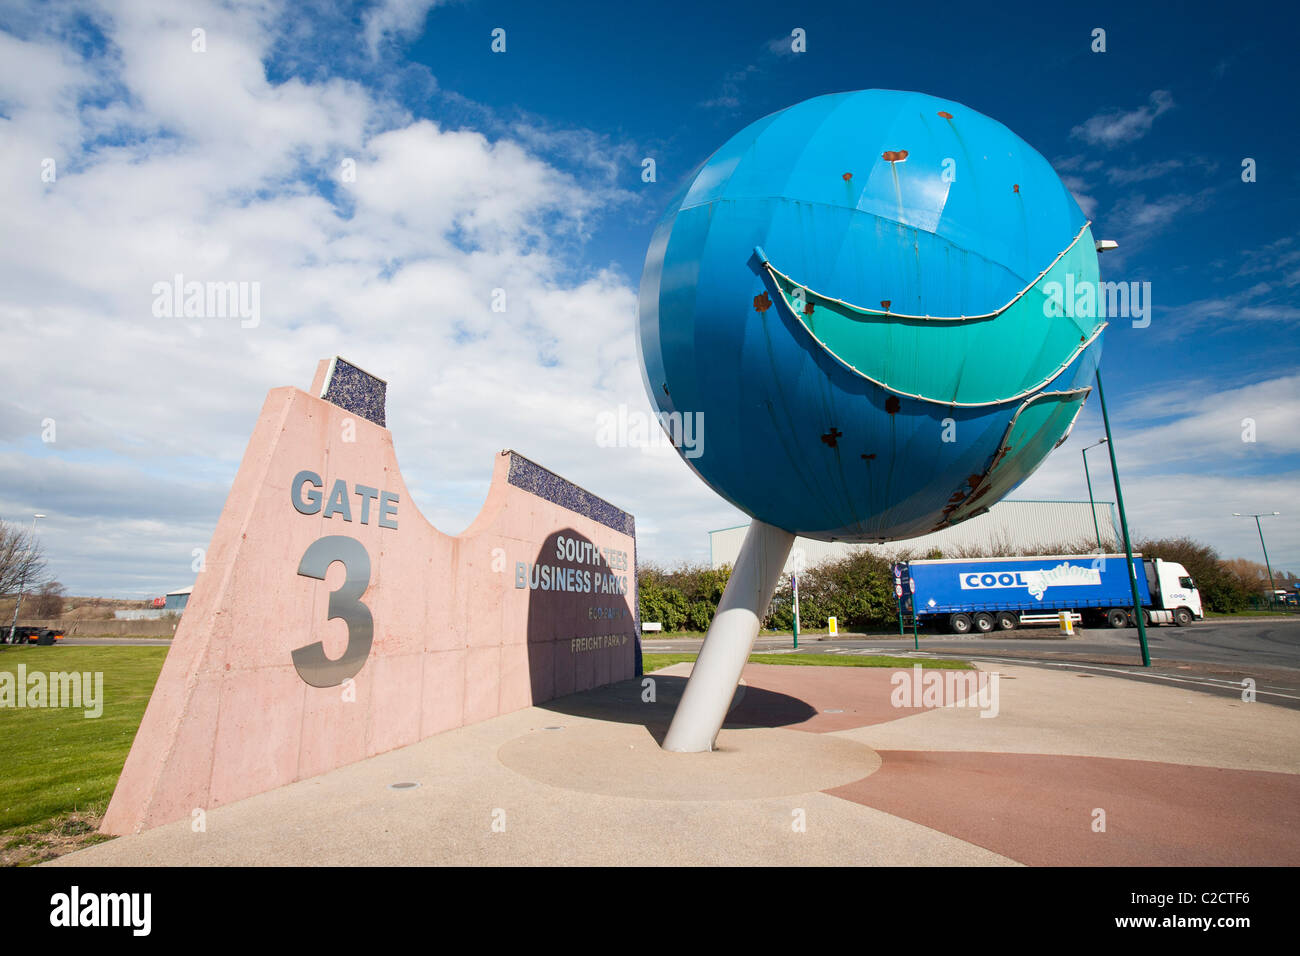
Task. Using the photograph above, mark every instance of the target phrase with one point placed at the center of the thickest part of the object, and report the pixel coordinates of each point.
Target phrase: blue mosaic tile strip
(533, 478)
(357, 391)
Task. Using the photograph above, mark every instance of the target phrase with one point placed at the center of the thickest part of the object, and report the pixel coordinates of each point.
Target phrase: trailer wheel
(1008, 621)
(984, 623)
(1182, 616)
(959, 623)
(1117, 617)
(1146, 618)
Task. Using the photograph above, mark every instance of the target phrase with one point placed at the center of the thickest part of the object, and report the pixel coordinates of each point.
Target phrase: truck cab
(1172, 589)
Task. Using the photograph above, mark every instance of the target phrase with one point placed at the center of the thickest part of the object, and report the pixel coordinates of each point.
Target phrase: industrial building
(176, 600)
(1014, 527)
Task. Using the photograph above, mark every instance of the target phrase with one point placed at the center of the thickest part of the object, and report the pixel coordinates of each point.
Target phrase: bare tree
(47, 603)
(22, 565)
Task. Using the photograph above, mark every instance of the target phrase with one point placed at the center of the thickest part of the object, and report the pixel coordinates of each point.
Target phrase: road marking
(1203, 682)
(1219, 683)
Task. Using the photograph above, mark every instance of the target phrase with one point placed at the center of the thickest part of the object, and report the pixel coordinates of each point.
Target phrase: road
(1214, 656)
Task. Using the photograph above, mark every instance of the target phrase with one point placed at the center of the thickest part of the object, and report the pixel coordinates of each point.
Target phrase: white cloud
(782, 45)
(1204, 421)
(395, 20)
(198, 164)
(1134, 220)
(729, 94)
(1142, 172)
(1164, 441)
(1270, 258)
(1226, 312)
(1079, 188)
(1120, 175)
(1115, 127)
(1137, 213)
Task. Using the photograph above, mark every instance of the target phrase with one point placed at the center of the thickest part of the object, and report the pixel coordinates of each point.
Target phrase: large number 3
(312, 664)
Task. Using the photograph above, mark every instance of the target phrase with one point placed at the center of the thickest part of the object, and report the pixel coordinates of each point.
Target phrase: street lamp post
(1272, 589)
(1095, 527)
(1123, 524)
(22, 586)
(794, 583)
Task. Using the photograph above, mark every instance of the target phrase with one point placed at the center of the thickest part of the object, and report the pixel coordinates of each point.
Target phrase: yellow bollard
(1067, 623)
(832, 627)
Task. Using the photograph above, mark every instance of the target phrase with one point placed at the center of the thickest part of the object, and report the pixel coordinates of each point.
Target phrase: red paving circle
(843, 697)
(1039, 809)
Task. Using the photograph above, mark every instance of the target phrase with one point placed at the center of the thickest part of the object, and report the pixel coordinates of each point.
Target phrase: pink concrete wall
(455, 640)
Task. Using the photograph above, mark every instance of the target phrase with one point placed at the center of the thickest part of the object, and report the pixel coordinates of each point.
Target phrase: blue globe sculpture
(882, 304)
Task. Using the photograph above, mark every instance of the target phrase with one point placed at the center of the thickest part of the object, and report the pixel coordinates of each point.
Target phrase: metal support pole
(794, 580)
(730, 639)
(22, 585)
(911, 603)
(898, 595)
(1123, 523)
(1095, 526)
(1272, 588)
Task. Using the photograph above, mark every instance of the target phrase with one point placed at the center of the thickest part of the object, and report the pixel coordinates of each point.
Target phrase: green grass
(857, 660)
(804, 633)
(654, 662)
(55, 761)
(672, 635)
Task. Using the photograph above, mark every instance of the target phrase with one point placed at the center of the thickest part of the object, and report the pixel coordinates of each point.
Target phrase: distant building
(144, 614)
(176, 600)
(1026, 527)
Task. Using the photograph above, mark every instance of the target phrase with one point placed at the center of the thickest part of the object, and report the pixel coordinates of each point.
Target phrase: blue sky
(522, 170)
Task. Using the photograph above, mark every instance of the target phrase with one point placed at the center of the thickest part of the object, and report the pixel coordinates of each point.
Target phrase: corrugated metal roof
(1025, 526)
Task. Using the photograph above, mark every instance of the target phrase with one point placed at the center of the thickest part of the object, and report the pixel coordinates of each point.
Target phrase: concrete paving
(816, 766)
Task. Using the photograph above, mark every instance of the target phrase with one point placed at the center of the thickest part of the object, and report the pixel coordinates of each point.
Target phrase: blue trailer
(987, 594)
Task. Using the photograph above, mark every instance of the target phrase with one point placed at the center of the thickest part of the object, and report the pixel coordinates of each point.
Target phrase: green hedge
(857, 590)
(683, 599)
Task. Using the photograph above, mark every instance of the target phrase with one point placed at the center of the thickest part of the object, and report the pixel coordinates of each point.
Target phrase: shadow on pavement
(626, 702)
